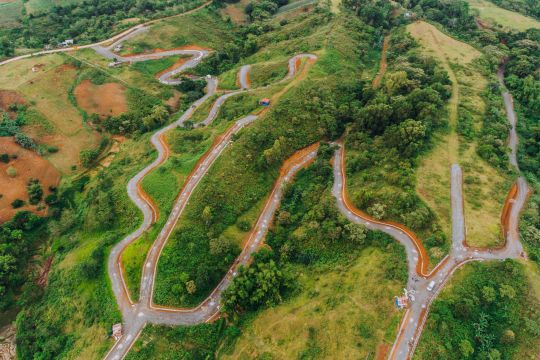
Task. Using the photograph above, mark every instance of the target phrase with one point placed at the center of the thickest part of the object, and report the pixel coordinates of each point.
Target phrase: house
(67, 42)
(117, 331)
(264, 102)
(118, 48)
(402, 302)
(114, 64)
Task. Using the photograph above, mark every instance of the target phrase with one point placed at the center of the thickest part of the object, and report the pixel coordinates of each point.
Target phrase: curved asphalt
(413, 321)
(136, 315)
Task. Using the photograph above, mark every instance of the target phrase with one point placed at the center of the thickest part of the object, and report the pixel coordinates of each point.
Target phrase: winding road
(137, 314)
(424, 286)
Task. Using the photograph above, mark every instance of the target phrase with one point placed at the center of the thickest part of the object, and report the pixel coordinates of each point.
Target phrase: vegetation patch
(488, 310)
(467, 108)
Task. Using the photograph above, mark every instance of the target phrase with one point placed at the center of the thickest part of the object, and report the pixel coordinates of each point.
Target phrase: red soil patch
(8, 97)
(28, 165)
(382, 351)
(105, 100)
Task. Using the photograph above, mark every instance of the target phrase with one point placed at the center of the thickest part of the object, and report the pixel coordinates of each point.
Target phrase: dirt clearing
(105, 100)
(28, 165)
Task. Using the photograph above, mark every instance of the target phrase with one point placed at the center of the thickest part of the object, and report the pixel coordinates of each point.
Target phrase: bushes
(486, 311)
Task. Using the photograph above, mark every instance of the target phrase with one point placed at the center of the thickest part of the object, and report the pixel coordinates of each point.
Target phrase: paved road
(124, 35)
(136, 315)
(418, 282)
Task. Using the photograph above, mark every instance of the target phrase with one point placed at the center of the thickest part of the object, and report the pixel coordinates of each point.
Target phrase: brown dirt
(43, 278)
(28, 165)
(8, 97)
(174, 101)
(236, 12)
(382, 65)
(382, 351)
(105, 100)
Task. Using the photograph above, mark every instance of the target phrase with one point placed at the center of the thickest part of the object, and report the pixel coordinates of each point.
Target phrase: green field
(493, 14)
(10, 13)
(181, 31)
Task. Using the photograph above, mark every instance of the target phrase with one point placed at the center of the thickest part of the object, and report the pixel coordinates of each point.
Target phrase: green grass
(348, 310)
(184, 30)
(34, 6)
(10, 13)
(228, 79)
(507, 19)
(152, 67)
(267, 73)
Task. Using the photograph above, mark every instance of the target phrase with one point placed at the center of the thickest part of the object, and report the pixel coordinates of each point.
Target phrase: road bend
(423, 288)
(137, 315)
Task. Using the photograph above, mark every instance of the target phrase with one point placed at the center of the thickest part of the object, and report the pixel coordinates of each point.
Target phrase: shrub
(4, 158)
(17, 203)
(11, 172)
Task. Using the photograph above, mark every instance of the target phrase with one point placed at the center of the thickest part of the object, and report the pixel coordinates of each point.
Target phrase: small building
(34, 69)
(264, 102)
(117, 331)
(67, 42)
(114, 64)
(402, 302)
(118, 48)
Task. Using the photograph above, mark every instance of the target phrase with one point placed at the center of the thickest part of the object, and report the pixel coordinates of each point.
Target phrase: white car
(431, 286)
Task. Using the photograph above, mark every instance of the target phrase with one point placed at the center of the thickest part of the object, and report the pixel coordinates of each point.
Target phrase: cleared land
(496, 15)
(236, 12)
(10, 13)
(105, 100)
(44, 83)
(484, 187)
(344, 313)
(28, 165)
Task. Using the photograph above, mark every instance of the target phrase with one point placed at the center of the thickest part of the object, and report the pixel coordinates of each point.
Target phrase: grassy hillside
(243, 175)
(482, 183)
(505, 18)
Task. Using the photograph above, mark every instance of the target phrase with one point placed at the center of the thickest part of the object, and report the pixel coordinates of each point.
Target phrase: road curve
(124, 35)
(136, 315)
(412, 324)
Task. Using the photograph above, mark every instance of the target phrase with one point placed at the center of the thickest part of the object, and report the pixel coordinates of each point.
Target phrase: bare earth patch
(28, 165)
(105, 100)
(8, 97)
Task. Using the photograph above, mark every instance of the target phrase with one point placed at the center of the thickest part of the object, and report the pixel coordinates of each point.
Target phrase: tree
(35, 192)
(4, 158)
(25, 141)
(466, 348)
(261, 284)
(356, 232)
(377, 211)
(207, 215)
(191, 288)
(488, 294)
(17, 203)
(508, 337)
